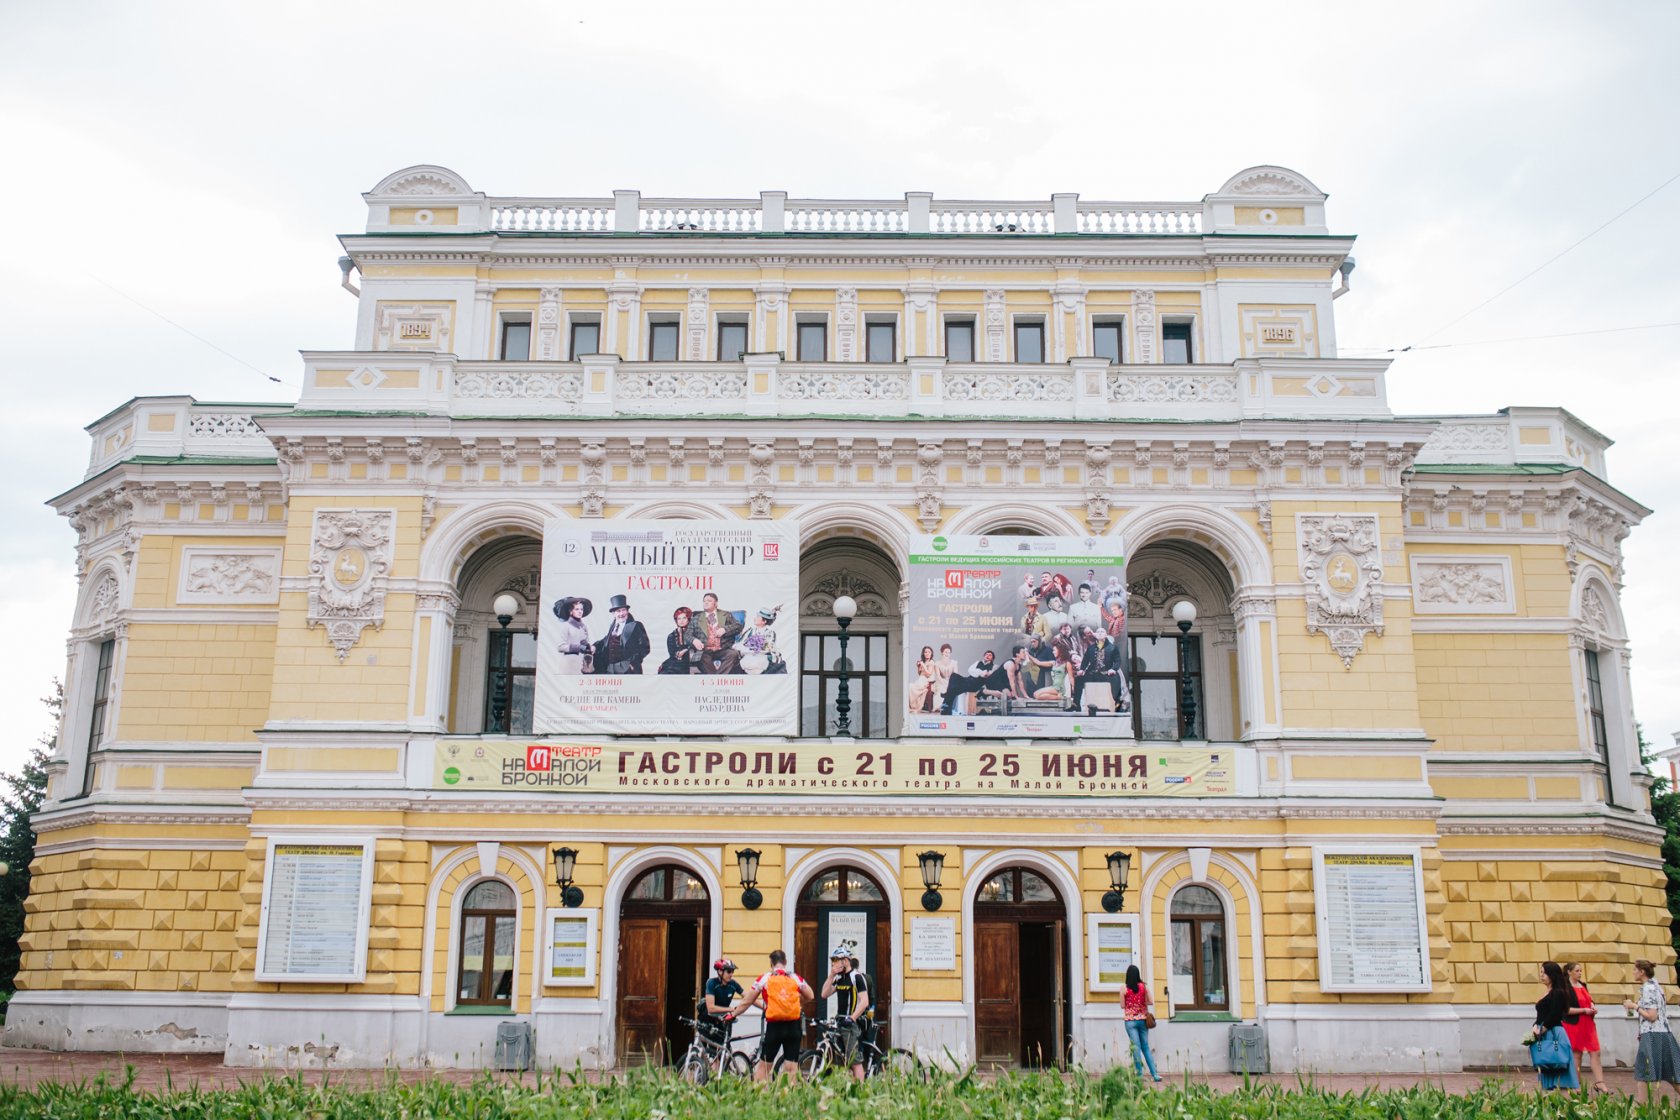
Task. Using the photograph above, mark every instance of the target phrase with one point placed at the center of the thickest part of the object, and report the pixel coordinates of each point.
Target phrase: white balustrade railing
(658, 215)
(773, 212)
(765, 385)
(1139, 217)
(818, 216)
(991, 217)
(553, 215)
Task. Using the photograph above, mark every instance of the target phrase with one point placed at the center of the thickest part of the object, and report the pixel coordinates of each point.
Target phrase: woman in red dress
(1582, 1028)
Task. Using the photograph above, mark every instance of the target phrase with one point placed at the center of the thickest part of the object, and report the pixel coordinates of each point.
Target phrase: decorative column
(1256, 622)
(434, 636)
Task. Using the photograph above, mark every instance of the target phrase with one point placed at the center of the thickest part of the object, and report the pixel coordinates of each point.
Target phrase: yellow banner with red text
(866, 767)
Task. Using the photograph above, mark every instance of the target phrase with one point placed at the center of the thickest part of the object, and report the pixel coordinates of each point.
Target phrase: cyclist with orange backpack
(781, 992)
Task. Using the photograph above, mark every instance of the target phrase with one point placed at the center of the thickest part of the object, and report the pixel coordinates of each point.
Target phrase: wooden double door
(1021, 975)
(663, 936)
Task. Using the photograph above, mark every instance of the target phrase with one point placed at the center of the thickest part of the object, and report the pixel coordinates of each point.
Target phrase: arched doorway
(662, 940)
(845, 904)
(1021, 971)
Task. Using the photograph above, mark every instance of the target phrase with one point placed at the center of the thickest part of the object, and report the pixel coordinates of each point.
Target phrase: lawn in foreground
(658, 1096)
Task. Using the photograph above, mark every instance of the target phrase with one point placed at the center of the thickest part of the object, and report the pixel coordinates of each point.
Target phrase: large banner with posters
(668, 628)
(1017, 637)
(824, 768)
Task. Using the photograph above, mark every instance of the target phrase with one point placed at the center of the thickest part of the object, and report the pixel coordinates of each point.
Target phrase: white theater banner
(668, 628)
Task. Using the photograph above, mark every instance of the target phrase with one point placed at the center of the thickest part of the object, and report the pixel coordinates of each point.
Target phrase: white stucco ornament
(1341, 566)
(349, 560)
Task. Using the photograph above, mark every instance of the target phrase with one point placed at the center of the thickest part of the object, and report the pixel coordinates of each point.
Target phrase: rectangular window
(866, 684)
(732, 341)
(1595, 708)
(813, 342)
(1175, 344)
(1029, 342)
(515, 653)
(1167, 687)
(1105, 340)
(101, 701)
(959, 340)
(516, 340)
(662, 340)
(881, 342)
(586, 337)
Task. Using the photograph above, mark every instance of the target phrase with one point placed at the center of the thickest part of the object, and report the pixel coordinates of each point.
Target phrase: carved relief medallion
(349, 560)
(1341, 565)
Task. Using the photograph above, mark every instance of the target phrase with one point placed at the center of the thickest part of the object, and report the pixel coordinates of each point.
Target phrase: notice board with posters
(316, 898)
(1017, 637)
(1372, 928)
(668, 627)
(1112, 942)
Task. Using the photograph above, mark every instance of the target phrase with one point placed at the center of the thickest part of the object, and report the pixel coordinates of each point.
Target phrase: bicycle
(710, 1055)
(835, 1040)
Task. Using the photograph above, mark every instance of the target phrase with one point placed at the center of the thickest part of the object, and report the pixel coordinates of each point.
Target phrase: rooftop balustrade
(434, 199)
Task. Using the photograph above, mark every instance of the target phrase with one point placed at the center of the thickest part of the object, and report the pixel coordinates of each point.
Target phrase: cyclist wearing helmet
(721, 993)
(851, 989)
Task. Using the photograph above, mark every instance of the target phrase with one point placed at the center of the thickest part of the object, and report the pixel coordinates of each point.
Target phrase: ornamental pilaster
(548, 325)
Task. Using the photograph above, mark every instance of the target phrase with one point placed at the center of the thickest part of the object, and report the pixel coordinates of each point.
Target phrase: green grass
(658, 1096)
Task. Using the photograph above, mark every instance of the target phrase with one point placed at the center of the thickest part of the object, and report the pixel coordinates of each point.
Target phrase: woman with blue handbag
(1549, 1047)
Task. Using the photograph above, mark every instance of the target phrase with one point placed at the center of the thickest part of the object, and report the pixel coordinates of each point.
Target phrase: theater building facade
(357, 765)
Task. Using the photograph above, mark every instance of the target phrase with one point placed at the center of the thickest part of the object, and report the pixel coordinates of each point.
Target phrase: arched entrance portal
(662, 940)
(1021, 980)
(845, 905)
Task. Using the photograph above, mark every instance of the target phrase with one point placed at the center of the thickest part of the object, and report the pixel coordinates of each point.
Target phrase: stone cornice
(58, 820)
(1610, 828)
(1153, 809)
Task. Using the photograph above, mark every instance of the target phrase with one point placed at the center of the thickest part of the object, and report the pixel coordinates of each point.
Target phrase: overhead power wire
(1552, 259)
(227, 354)
(1517, 338)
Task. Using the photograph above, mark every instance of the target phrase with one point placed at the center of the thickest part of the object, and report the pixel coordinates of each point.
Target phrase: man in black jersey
(851, 989)
(722, 991)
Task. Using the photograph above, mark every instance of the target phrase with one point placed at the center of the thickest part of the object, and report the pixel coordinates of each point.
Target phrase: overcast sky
(201, 157)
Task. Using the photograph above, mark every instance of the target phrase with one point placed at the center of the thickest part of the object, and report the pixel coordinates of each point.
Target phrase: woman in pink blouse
(1139, 1005)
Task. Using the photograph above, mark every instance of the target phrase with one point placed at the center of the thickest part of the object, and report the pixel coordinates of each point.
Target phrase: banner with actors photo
(668, 628)
(1017, 637)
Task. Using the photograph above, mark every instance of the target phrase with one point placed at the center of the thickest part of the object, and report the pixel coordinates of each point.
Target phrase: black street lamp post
(505, 606)
(845, 608)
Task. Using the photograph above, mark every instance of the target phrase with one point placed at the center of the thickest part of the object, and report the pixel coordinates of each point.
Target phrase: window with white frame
(959, 339)
(731, 339)
(516, 338)
(586, 336)
(1175, 342)
(1029, 340)
(98, 710)
(1107, 340)
(664, 338)
(812, 341)
(880, 339)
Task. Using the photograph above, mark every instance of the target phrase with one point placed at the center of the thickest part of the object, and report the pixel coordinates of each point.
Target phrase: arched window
(1017, 885)
(1199, 958)
(489, 917)
(667, 884)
